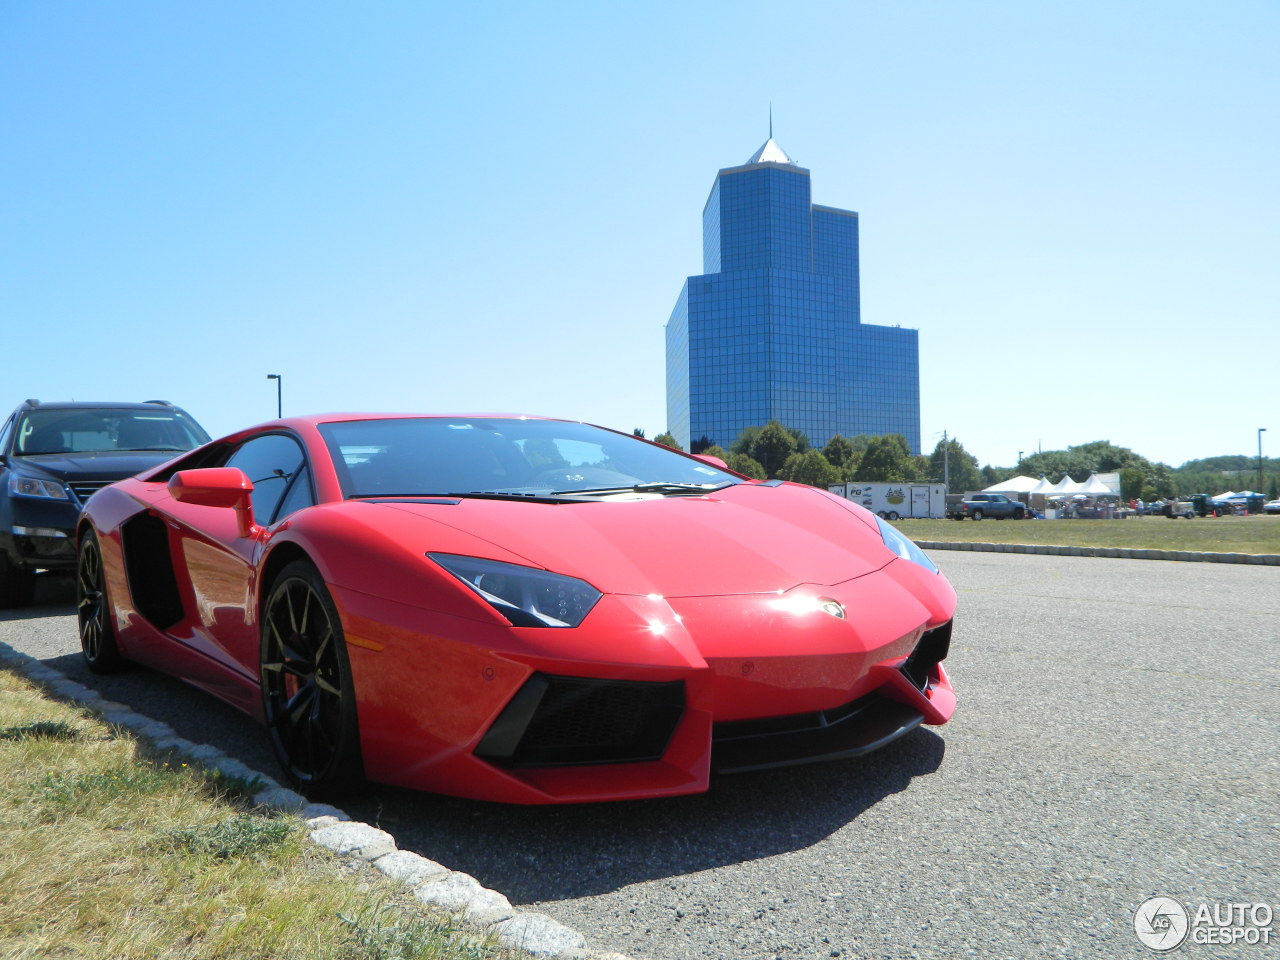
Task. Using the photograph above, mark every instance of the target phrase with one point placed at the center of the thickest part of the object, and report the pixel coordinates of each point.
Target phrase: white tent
(1093, 487)
(1064, 487)
(1043, 488)
(1014, 485)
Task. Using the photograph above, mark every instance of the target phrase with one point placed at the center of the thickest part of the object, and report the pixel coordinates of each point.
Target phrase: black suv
(53, 456)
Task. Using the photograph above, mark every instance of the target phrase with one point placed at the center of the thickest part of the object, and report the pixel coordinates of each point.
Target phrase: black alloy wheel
(307, 696)
(97, 635)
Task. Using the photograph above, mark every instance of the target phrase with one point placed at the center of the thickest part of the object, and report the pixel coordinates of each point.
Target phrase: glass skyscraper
(772, 329)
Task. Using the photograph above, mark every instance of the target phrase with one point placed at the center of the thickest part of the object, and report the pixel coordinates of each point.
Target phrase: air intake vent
(568, 721)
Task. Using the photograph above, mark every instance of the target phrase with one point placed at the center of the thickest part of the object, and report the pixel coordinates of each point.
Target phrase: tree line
(776, 451)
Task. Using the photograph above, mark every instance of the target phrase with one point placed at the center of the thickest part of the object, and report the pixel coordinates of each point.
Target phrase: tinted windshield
(423, 456)
(102, 430)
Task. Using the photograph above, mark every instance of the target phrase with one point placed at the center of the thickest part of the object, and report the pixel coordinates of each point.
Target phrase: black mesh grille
(565, 721)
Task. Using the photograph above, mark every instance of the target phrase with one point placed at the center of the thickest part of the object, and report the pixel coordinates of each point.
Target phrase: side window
(299, 495)
(270, 462)
(4, 435)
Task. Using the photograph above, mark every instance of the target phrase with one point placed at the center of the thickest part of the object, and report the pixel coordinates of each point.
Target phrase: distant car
(1271, 506)
(513, 608)
(53, 456)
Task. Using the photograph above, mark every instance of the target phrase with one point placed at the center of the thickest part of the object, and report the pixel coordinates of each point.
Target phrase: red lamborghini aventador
(513, 608)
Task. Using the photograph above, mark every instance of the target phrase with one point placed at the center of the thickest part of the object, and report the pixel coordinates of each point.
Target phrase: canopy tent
(1093, 487)
(1064, 487)
(1238, 495)
(1043, 488)
(1013, 485)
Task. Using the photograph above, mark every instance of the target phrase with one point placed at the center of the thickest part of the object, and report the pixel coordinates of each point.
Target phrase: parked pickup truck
(989, 505)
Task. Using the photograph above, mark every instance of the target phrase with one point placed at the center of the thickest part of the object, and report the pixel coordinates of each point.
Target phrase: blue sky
(492, 206)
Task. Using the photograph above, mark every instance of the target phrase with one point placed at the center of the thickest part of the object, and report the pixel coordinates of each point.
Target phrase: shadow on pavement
(535, 854)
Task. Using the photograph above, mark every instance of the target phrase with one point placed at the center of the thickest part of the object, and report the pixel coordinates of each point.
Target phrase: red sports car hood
(744, 539)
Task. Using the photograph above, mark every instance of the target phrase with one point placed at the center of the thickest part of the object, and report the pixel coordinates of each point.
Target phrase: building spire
(770, 152)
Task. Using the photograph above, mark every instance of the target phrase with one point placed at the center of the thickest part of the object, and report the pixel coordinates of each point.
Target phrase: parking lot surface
(1118, 738)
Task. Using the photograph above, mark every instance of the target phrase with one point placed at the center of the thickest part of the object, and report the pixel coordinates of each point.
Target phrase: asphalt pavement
(1117, 738)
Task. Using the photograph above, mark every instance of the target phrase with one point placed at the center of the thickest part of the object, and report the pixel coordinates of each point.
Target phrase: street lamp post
(279, 393)
(1261, 431)
(1019, 460)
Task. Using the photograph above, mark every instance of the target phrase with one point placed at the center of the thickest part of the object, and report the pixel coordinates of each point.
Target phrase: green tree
(746, 440)
(715, 450)
(1132, 481)
(960, 463)
(810, 467)
(638, 432)
(741, 463)
(772, 447)
(888, 458)
(841, 455)
(668, 440)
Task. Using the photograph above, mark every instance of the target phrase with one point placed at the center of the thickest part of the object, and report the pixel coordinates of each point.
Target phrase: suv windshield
(438, 455)
(104, 430)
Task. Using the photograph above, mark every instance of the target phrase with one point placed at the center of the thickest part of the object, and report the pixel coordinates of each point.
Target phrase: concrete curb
(439, 889)
(1123, 553)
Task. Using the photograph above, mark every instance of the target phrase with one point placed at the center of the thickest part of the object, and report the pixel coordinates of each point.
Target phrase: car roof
(96, 405)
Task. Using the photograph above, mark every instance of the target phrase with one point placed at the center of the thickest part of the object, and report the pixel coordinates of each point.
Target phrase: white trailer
(896, 500)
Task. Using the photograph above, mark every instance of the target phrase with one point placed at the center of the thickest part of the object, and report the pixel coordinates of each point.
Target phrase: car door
(220, 564)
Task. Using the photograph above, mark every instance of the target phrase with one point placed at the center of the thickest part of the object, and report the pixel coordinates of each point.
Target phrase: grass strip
(110, 853)
(1255, 535)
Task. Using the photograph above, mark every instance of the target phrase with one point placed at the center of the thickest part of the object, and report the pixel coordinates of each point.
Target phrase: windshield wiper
(657, 487)
(456, 495)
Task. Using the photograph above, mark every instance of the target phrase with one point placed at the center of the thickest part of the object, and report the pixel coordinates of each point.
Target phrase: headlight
(32, 487)
(526, 596)
(902, 545)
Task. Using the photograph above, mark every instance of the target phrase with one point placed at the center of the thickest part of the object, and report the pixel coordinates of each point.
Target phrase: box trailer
(896, 500)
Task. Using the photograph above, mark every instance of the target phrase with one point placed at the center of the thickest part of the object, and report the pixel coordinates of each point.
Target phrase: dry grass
(108, 853)
(1256, 534)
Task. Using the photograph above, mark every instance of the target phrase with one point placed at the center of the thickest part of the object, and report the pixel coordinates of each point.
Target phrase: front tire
(97, 634)
(308, 700)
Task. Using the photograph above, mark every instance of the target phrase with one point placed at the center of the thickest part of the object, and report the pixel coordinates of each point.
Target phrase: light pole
(279, 394)
(1019, 461)
(1261, 431)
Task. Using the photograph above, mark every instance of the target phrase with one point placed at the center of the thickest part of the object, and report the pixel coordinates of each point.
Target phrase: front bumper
(40, 535)
(650, 696)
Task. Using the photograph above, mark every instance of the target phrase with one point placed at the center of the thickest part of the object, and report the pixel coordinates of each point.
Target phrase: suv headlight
(32, 487)
(902, 545)
(526, 596)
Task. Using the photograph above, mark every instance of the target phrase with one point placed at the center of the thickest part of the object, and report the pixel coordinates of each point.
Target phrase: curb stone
(1122, 553)
(476, 908)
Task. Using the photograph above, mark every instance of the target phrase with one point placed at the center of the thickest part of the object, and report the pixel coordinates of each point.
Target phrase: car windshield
(105, 430)
(499, 456)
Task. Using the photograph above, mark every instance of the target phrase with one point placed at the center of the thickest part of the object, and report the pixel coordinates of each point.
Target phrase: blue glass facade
(772, 329)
